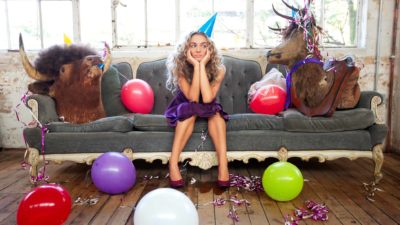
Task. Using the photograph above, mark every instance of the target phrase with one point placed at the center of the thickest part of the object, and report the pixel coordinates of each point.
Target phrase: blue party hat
(207, 28)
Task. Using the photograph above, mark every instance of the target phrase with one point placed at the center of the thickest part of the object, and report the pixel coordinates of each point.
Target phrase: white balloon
(165, 206)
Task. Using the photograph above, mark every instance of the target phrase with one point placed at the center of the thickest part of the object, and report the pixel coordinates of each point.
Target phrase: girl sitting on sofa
(195, 75)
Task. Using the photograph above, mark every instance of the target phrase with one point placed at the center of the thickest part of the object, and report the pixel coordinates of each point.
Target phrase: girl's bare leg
(217, 130)
(183, 131)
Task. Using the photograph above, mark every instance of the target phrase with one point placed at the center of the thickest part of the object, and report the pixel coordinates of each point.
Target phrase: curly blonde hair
(178, 65)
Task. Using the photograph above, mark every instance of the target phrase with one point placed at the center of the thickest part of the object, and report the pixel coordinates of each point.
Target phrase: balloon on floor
(137, 96)
(46, 204)
(282, 181)
(113, 173)
(165, 206)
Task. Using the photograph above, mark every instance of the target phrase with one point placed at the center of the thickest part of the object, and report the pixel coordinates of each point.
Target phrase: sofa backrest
(125, 70)
(240, 74)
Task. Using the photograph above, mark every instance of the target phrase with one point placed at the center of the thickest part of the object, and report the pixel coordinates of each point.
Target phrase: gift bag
(274, 76)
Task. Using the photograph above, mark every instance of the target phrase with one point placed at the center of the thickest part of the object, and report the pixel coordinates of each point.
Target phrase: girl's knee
(216, 118)
(189, 120)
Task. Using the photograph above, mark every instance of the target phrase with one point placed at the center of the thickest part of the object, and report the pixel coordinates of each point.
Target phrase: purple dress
(181, 108)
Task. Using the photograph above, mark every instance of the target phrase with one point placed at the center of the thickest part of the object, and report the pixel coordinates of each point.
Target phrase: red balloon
(137, 96)
(269, 99)
(47, 204)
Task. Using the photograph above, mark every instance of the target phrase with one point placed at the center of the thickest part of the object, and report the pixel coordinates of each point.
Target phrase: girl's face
(198, 46)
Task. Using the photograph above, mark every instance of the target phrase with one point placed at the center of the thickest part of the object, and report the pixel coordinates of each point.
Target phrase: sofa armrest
(43, 107)
(369, 98)
(372, 100)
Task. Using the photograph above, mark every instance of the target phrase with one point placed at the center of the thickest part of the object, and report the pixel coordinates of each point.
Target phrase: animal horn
(275, 29)
(107, 59)
(281, 15)
(30, 70)
(290, 7)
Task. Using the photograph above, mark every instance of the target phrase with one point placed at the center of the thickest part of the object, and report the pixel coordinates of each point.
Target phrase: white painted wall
(14, 81)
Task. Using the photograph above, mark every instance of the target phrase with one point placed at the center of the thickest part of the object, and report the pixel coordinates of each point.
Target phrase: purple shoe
(177, 183)
(223, 184)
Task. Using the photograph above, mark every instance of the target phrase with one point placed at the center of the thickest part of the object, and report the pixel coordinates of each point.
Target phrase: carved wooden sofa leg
(33, 160)
(283, 154)
(377, 156)
(128, 152)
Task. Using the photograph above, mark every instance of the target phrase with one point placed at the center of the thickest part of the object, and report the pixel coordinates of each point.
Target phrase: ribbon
(42, 172)
(232, 214)
(252, 183)
(296, 66)
(315, 211)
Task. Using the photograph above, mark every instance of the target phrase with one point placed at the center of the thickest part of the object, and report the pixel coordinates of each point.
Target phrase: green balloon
(282, 181)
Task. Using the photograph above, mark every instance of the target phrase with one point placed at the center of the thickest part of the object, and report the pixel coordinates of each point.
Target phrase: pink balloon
(137, 96)
(269, 99)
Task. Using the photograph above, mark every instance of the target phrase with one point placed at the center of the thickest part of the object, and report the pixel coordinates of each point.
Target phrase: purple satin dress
(181, 108)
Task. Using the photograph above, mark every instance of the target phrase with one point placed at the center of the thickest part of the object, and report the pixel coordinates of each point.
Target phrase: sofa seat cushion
(108, 124)
(157, 122)
(237, 122)
(254, 121)
(342, 120)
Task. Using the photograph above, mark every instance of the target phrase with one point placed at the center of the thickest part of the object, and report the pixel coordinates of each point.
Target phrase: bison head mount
(72, 76)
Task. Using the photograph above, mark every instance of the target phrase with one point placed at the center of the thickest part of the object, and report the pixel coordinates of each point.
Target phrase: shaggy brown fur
(69, 74)
(50, 60)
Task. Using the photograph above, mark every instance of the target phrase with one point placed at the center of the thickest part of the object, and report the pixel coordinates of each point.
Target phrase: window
(152, 23)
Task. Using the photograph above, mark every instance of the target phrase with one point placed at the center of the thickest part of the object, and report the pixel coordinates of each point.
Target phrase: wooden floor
(337, 183)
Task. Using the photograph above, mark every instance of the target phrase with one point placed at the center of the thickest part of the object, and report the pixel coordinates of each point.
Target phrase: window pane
(130, 23)
(3, 27)
(194, 13)
(161, 22)
(96, 22)
(57, 20)
(265, 17)
(230, 26)
(27, 25)
(340, 22)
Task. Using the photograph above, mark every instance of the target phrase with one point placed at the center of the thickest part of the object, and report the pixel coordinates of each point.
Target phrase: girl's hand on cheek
(206, 58)
(190, 58)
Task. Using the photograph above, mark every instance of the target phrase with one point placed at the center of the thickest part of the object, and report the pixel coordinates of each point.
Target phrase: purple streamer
(315, 211)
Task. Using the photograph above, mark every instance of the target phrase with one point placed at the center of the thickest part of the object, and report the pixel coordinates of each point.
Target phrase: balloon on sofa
(165, 206)
(113, 173)
(46, 204)
(269, 99)
(282, 181)
(137, 96)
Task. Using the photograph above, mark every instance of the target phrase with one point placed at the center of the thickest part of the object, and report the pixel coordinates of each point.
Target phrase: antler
(30, 70)
(281, 15)
(275, 29)
(290, 7)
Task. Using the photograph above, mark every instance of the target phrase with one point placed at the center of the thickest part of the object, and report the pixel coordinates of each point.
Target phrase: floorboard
(337, 183)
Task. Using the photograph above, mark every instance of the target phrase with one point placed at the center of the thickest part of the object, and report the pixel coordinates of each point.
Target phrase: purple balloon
(113, 173)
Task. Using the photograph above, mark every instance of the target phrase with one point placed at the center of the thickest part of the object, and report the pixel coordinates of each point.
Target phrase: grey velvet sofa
(351, 133)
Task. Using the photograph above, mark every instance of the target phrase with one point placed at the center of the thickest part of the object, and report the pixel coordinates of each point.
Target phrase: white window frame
(360, 39)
